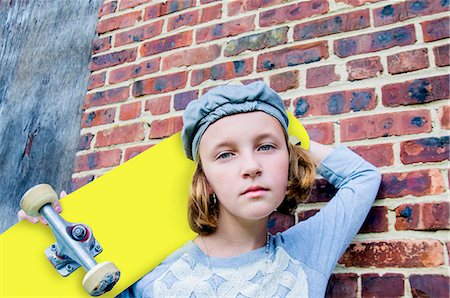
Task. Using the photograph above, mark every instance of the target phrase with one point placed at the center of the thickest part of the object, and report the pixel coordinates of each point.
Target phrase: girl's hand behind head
(21, 215)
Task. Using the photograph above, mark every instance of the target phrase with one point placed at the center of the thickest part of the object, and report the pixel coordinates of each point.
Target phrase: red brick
(223, 71)
(416, 91)
(125, 4)
(113, 59)
(444, 117)
(84, 142)
(165, 128)
(364, 68)
(139, 33)
(423, 216)
(165, 44)
(181, 100)
(436, 29)
(322, 191)
(408, 61)
(292, 12)
(107, 8)
(158, 106)
(394, 253)
(230, 28)
(120, 135)
(321, 76)
(101, 44)
(291, 56)
(387, 285)
(398, 12)
(429, 285)
(425, 150)
(304, 215)
(358, 2)
(257, 42)
(417, 183)
(133, 71)
(331, 25)
(284, 81)
(98, 117)
(77, 183)
(342, 285)
(211, 13)
(134, 151)
(161, 84)
(279, 222)
(335, 103)
(208, 1)
(96, 80)
(237, 7)
(384, 125)
(119, 22)
(380, 155)
(191, 57)
(106, 97)
(376, 221)
(168, 7)
(442, 55)
(190, 18)
(376, 41)
(321, 132)
(130, 111)
(97, 160)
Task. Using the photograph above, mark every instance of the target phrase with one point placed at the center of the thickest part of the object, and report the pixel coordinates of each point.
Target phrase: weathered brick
(101, 44)
(77, 183)
(165, 44)
(107, 8)
(398, 12)
(291, 56)
(139, 33)
(223, 71)
(335, 102)
(181, 100)
(442, 55)
(130, 111)
(279, 223)
(165, 128)
(417, 183)
(364, 68)
(136, 150)
(376, 41)
(358, 2)
(321, 132)
(161, 84)
(380, 155)
(444, 116)
(342, 285)
(236, 7)
(384, 125)
(423, 216)
(292, 12)
(120, 135)
(191, 57)
(106, 97)
(416, 91)
(192, 18)
(376, 221)
(322, 191)
(425, 150)
(168, 7)
(125, 4)
(119, 22)
(113, 59)
(256, 42)
(331, 25)
(408, 61)
(133, 71)
(98, 117)
(394, 253)
(230, 28)
(84, 142)
(429, 285)
(97, 160)
(321, 76)
(96, 80)
(211, 13)
(387, 285)
(158, 106)
(284, 81)
(436, 29)
(208, 1)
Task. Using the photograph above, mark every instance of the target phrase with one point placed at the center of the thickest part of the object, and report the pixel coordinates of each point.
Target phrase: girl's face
(246, 162)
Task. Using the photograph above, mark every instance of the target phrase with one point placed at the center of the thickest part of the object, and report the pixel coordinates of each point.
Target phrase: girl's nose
(250, 167)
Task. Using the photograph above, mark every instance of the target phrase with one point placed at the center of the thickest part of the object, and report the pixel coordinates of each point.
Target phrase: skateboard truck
(75, 244)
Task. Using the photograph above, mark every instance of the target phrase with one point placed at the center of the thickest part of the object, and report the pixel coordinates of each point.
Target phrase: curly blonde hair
(203, 211)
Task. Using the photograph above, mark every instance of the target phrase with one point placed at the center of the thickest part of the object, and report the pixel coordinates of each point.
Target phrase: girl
(246, 169)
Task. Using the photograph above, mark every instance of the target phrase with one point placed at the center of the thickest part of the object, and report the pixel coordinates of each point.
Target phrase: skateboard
(124, 224)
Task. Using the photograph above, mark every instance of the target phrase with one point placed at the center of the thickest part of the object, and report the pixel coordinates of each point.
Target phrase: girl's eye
(266, 147)
(224, 155)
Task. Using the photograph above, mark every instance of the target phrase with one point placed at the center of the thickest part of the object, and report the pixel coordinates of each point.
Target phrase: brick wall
(369, 74)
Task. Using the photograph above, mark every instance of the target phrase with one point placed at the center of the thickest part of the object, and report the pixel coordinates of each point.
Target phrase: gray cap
(224, 101)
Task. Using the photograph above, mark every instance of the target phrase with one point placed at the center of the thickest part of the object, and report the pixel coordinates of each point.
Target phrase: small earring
(214, 199)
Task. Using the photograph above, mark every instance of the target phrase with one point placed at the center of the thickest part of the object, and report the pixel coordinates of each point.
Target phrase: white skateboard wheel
(101, 278)
(36, 197)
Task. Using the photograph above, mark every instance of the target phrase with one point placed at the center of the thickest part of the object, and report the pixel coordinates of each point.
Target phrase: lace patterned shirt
(298, 262)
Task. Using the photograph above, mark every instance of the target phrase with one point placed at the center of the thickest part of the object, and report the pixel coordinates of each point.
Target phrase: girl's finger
(58, 207)
(63, 194)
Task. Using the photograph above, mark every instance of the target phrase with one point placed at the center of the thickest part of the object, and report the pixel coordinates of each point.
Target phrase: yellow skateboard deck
(137, 212)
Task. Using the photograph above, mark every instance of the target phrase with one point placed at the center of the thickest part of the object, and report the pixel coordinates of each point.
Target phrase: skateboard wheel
(101, 278)
(36, 197)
